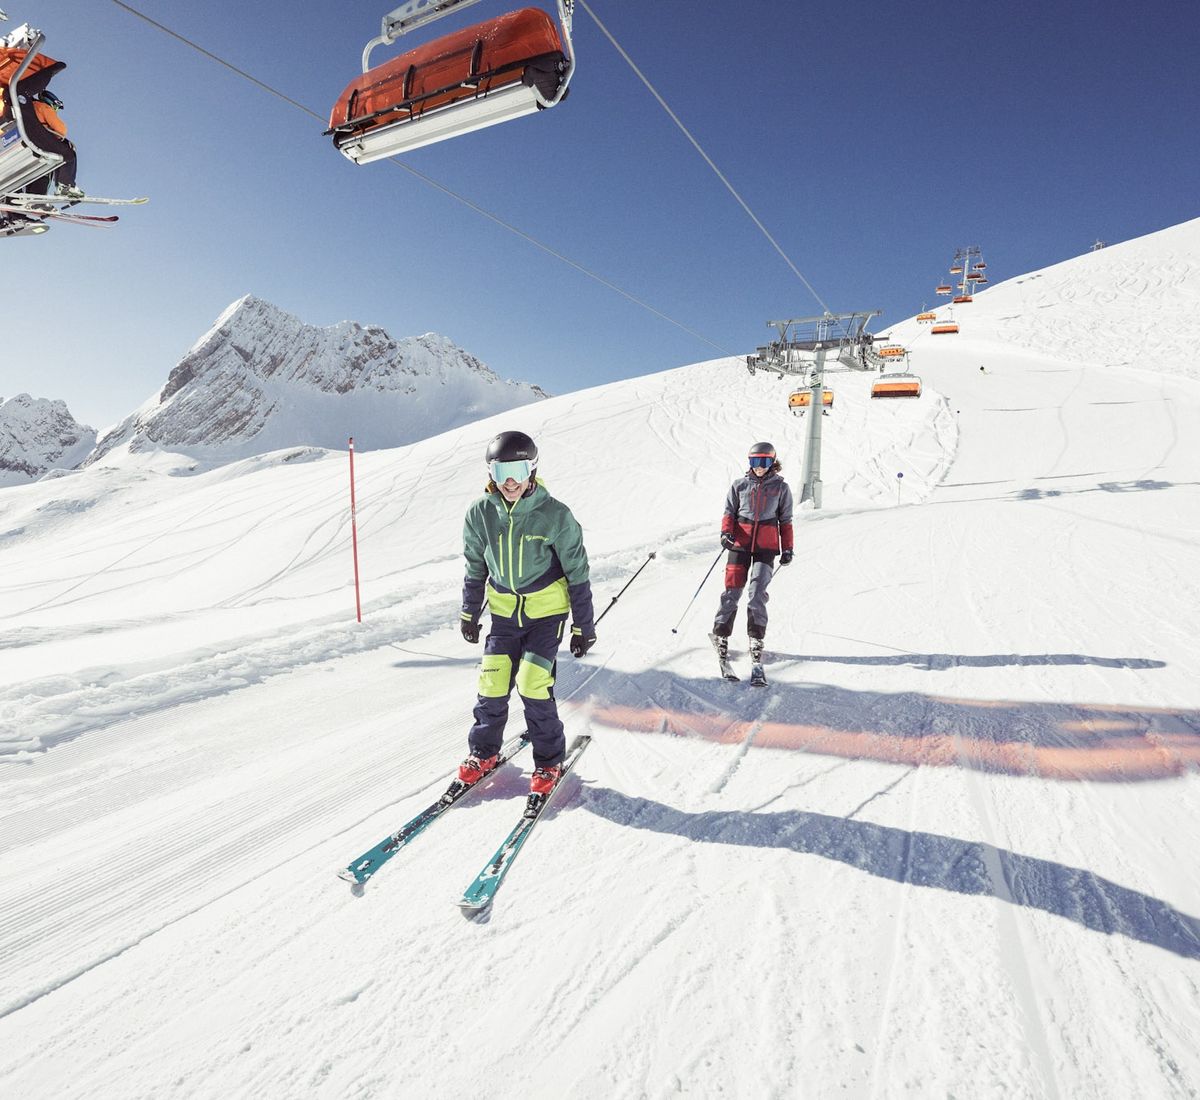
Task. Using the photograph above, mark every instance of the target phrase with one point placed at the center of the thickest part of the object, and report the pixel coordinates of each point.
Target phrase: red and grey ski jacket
(758, 513)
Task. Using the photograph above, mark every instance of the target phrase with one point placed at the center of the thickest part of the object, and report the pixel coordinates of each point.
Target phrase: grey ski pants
(756, 580)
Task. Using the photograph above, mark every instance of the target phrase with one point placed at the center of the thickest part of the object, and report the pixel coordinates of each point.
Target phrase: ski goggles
(762, 462)
(518, 470)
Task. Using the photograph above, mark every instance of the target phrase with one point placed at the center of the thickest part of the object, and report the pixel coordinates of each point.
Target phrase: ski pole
(627, 584)
(675, 628)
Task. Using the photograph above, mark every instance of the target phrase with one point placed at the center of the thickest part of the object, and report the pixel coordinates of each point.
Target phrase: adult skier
(525, 555)
(755, 528)
(39, 109)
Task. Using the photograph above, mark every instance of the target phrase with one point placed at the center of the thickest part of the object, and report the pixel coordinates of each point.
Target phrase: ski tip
(472, 909)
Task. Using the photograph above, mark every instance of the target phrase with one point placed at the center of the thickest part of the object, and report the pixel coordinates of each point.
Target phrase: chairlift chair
(901, 384)
(960, 299)
(801, 400)
(956, 269)
(946, 328)
(945, 288)
(488, 73)
(22, 163)
(927, 318)
(892, 351)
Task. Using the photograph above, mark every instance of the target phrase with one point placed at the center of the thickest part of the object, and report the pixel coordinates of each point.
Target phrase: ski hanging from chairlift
(488, 73)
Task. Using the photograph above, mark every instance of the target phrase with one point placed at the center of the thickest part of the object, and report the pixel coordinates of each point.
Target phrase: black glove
(470, 631)
(728, 541)
(580, 642)
(786, 557)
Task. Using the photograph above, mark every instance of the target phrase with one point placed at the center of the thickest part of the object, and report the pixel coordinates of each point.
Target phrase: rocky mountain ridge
(260, 380)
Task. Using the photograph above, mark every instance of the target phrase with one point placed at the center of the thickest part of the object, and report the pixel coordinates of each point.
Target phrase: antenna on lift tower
(802, 348)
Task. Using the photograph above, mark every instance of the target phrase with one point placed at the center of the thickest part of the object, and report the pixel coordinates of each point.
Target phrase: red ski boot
(474, 768)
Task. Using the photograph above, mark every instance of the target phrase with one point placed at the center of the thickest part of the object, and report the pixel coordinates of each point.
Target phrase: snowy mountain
(37, 435)
(949, 851)
(260, 380)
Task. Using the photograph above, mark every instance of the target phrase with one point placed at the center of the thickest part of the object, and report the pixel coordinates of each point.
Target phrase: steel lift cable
(707, 159)
(431, 182)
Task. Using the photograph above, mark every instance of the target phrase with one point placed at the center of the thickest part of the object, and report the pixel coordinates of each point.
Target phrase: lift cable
(708, 160)
(432, 182)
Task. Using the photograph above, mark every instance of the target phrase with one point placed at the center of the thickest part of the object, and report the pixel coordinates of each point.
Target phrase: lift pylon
(803, 346)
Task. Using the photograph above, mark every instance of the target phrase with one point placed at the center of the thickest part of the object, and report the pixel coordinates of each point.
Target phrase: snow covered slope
(1134, 304)
(37, 435)
(259, 380)
(949, 851)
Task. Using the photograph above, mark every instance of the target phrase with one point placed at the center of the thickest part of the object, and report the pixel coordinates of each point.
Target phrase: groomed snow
(949, 851)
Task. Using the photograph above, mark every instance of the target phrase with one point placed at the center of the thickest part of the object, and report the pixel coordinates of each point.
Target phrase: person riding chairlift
(40, 114)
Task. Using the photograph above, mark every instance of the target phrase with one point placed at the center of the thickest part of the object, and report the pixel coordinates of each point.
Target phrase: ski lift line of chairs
(491, 72)
(946, 328)
(897, 385)
(801, 400)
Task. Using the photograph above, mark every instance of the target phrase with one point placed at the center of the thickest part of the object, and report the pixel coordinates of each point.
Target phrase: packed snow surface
(949, 851)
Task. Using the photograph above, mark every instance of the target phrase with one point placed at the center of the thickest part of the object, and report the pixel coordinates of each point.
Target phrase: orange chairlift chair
(801, 400)
(945, 328)
(492, 72)
(22, 162)
(900, 384)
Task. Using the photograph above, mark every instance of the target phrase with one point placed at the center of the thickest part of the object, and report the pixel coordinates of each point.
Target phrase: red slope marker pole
(354, 534)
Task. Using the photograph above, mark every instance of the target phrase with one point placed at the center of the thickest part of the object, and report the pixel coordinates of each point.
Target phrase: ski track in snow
(948, 851)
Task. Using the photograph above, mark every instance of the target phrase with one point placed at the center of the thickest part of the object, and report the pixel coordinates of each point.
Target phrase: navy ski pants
(525, 657)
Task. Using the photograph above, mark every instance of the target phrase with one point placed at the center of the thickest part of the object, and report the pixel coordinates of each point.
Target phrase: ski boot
(758, 678)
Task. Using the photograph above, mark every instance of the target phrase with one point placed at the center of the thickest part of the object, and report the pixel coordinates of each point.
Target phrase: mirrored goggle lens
(518, 470)
(758, 462)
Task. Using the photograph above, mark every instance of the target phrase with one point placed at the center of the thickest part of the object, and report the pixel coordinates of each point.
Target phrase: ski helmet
(762, 454)
(511, 455)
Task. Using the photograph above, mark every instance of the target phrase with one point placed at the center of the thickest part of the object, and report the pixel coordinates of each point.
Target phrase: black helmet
(510, 454)
(765, 454)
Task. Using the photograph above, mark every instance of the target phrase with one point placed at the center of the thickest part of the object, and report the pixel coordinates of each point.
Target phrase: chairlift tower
(802, 348)
(968, 265)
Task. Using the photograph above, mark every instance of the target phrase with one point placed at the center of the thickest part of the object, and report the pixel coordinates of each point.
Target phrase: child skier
(525, 554)
(755, 529)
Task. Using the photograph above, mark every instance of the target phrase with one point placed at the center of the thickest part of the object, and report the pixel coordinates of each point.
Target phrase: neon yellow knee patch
(534, 676)
(495, 675)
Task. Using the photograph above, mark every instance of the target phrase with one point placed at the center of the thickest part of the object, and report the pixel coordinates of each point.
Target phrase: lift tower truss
(802, 349)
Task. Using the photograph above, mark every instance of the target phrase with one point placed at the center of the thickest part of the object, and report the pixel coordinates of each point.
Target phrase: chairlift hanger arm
(32, 52)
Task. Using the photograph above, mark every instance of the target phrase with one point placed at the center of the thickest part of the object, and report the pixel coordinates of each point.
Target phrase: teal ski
(371, 860)
(480, 893)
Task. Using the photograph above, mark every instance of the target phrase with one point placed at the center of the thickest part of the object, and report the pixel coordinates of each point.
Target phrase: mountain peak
(260, 379)
(38, 434)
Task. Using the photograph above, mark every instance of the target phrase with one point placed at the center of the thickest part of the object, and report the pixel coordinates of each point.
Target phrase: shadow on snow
(923, 859)
(1058, 741)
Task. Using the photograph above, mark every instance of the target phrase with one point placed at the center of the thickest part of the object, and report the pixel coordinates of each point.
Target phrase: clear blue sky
(871, 138)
